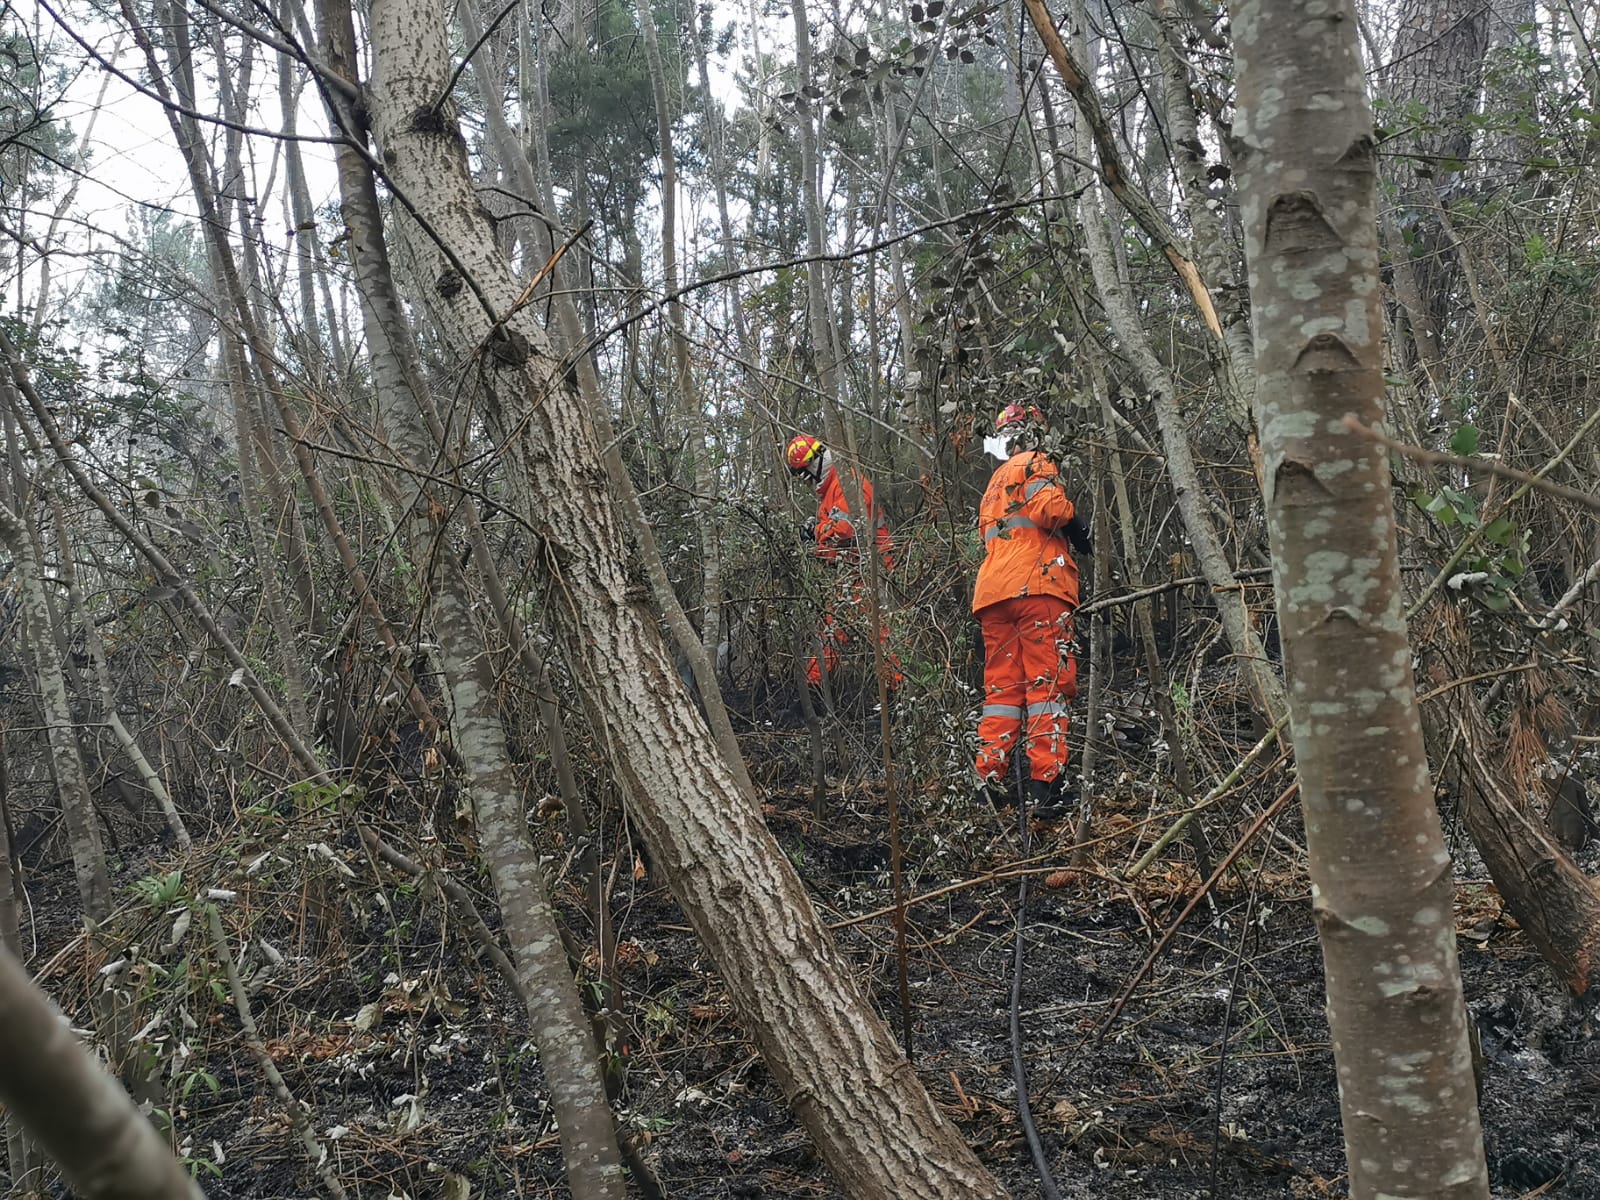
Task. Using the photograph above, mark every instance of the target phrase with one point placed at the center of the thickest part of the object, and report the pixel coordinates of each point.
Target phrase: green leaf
(1464, 441)
(1498, 531)
(1441, 508)
(1496, 601)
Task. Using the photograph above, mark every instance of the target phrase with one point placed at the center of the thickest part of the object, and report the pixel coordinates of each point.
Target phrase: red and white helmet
(1019, 414)
(803, 450)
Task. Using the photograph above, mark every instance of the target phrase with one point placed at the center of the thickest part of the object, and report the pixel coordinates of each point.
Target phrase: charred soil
(1215, 1080)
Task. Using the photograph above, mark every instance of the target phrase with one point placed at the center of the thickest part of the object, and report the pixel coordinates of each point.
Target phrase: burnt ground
(1216, 1080)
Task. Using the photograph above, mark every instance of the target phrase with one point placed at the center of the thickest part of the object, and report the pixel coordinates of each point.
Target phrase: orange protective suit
(836, 535)
(1026, 592)
(836, 545)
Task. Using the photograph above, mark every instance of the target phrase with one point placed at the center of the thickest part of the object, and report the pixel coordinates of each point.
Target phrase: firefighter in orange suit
(834, 533)
(1026, 592)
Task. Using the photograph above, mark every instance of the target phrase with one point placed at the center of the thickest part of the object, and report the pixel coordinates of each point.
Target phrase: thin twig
(1170, 585)
(1482, 465)
(252, 1037)
(1160, 947)
(467, 57)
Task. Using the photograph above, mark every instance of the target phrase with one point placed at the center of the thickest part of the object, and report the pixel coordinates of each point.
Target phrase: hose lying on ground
(1019, 1074)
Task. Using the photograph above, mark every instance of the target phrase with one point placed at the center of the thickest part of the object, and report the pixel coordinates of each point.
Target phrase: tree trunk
(1381, 880)
(76, 605)
(566, 1050)
(81, 1117)
(1187, 488)
(1555, 904)
(1233, 360)
(66, 766)
(701, 665)
(698, 476)
(20, 1165)
(1434, 72)
(873, 1122)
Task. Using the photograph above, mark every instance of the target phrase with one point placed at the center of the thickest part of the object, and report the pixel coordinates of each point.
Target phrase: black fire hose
(1019, 1074)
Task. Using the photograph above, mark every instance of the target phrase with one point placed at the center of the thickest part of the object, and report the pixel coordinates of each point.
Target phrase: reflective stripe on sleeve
(1036, 486)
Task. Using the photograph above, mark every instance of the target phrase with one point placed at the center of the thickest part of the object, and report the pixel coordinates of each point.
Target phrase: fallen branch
(1169, 586)
(298, 1120)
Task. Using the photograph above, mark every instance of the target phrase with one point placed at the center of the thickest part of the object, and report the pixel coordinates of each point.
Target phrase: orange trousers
(848, 613)
(1028, 665)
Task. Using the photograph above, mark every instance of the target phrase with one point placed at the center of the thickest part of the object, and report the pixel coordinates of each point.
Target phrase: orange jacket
(836, 536)
(1025, 552)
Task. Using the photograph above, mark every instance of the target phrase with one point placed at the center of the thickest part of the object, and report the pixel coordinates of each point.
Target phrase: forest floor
(1216, 1080)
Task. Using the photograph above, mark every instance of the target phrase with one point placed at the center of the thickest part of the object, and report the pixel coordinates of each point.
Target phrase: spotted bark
(1380, 873)
(872, 1120)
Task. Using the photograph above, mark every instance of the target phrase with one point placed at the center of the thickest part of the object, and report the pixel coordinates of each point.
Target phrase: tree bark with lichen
(1381, 876)
(872, 1120)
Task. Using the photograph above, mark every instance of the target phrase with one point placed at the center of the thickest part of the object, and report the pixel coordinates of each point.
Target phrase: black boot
(1048, 799)
(994, 794)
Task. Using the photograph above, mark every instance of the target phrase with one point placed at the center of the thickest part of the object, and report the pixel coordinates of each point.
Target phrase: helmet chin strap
(819, 466)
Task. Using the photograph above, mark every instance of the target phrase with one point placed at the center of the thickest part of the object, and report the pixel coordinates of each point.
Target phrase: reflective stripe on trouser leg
(1004, 689)
(1051, 673)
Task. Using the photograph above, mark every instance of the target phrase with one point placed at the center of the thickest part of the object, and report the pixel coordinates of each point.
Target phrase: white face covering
(820, 466)
(998, 446)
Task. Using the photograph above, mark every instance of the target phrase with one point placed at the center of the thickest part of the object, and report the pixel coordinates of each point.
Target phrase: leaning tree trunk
(80, 1116)
(1380, 873)
(567, 1052)
(697, 455)
(19, 1153)
(1187, 487)
(1554, 902)
(873, 1122)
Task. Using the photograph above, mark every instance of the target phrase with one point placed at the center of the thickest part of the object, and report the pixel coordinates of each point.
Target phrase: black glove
(808, 531)
(1078, 534)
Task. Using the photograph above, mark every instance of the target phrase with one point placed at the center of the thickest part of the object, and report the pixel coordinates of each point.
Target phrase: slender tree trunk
(874, 1123)
(102, 673)
(1155, 673)
(229, 290)
(165, 571)
(1233, 361)
(1187, 488)
(699, 477)
(281, 517)
(20, 1165)
(1381, 880)
(66, 766)
(302, 223)
(253, 511)
(701, 665)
